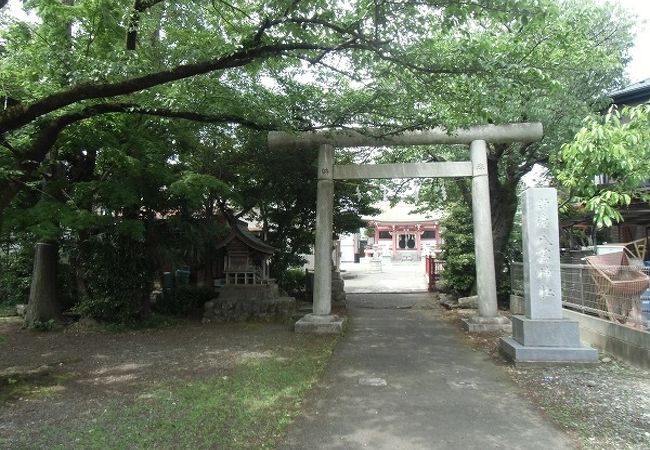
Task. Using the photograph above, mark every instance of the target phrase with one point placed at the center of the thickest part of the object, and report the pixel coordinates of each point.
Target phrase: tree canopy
(556, 68)
(115, 114)
(614, 148)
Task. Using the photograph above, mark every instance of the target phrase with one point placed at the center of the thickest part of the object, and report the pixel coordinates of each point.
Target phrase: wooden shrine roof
(239, 230)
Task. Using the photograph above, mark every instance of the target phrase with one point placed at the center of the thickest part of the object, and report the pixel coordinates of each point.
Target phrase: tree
(551, 67)
(67, 67)
(211, 69)
(81, 71)
(617, 147)
(76, 64)
(458, 250)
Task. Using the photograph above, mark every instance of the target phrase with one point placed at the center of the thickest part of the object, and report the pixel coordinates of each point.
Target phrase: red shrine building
(403, 235)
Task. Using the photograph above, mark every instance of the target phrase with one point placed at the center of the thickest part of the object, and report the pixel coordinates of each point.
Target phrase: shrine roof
(402, 213)
(240, 230)
(633, 94)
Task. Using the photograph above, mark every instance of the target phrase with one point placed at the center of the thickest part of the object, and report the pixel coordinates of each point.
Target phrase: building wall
(349, 246)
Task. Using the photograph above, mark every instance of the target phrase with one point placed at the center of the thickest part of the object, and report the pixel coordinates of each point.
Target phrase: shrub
(292, 281)
(151, 321)
(458, 250)
(50, 325)
(116, 270)
(184, 301)
(15, 275)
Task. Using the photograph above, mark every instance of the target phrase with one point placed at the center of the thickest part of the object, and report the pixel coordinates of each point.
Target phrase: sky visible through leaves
(638, 69)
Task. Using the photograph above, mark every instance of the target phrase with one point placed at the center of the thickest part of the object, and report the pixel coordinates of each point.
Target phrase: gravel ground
(604, 406)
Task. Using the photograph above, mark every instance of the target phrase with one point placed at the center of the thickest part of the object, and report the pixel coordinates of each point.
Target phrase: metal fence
(585, 289)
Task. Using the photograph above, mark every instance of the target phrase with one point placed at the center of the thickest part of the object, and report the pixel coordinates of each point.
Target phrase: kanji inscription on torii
(542, 288)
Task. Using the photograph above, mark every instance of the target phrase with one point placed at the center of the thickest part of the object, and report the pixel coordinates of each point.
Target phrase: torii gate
(321, 320)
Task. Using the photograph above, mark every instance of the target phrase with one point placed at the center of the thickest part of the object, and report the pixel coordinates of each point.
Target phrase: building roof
(240, 230)
(633, 94)
(402, 213)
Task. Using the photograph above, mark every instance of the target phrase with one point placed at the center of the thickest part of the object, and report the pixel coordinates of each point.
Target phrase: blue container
(182, 277)
(168, 280)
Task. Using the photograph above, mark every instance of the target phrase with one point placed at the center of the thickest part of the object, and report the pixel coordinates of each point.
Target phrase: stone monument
(375, 262)
(338, 287)
(542, 335)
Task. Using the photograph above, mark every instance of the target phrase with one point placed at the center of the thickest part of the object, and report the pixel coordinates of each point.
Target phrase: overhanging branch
(50, 130)
(19, 115)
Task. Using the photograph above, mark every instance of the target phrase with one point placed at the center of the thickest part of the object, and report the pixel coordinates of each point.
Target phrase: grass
(7, 310)
(250, 407)
(151, 321)
(37, 386)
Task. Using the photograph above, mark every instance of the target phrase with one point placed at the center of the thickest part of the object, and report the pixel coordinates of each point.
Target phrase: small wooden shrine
(246, 290)
(246, 258)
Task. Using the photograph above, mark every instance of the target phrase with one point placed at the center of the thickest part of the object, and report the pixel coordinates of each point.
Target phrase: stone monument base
(338, 288)
(478, 324)
(316, 324)
(546, 341)
(375, 265)
(241, 302)
(522, 355)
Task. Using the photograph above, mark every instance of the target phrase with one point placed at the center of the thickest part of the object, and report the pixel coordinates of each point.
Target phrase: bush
(184, 301)
(15, 275)
(292, 281)
(116, 270)
(50, 325)
(151, 321)
(458, 251)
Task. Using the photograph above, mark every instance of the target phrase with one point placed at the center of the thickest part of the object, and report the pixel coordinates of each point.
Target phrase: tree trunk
(43, 305)
(503, 205)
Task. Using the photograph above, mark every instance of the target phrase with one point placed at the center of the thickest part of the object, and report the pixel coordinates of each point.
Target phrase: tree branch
(49, 132)
(19, 115)
(139, 7)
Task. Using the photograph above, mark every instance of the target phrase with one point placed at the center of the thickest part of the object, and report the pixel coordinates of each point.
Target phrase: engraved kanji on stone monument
(543, 335)
(542, 289)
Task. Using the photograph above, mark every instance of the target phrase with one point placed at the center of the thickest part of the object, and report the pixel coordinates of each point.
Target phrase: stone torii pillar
(321, 320)
(324, 227)
(488, 318)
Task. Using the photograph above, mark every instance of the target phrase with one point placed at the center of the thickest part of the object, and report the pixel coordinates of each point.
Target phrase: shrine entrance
(321, 320)
(400, 234)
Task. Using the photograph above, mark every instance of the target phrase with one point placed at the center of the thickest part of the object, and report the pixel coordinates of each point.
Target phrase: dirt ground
(603, 406)
(50, 378)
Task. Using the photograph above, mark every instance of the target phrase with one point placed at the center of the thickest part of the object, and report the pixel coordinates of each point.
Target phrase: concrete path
(407, 276)
(403, 379)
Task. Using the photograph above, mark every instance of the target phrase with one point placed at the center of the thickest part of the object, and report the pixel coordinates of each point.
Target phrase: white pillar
(324, 225)
(483, 245)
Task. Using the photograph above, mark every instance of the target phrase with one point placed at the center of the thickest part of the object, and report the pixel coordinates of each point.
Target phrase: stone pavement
(407, 276)
(401, 378)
